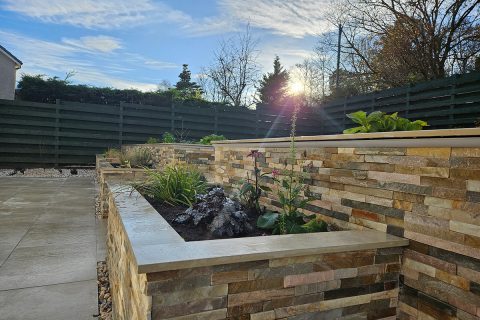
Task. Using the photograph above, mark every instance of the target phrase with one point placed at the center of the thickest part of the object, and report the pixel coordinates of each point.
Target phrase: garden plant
(379, 121)
(291, 219)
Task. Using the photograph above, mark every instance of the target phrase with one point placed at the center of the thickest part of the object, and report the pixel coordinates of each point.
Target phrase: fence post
(215, 128)
(453, 88)
(120, 124)
(373, 100)
(172, 116)
(344, 114)
(57, 129)
(407, 101)
(257, 122)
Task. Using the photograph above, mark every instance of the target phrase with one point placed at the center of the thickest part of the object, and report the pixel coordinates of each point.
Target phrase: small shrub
(136, 158)
(175, 185)
(152, 140)
(378, 121)
(112, 153)
(212, 137)
(167, 137)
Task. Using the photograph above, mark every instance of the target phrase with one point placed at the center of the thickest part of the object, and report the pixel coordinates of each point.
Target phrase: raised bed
(155, 274)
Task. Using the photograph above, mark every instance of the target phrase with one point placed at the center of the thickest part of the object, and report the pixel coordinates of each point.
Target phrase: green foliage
(167, 137)
(175, 185)
(136, 158)
(152, 140)
(379, 121)
(212, 137)
(39, 88)
(112, 153)
(291, 219)
(273, 86)
(185, 88)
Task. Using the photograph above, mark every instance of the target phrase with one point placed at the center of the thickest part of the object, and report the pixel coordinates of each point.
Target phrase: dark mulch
(189, 232)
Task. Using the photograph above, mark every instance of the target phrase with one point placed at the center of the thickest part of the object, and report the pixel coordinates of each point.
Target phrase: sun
(295, 87)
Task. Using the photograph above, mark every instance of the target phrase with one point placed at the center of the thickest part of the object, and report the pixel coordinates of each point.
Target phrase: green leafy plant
(379, 121)
(167, 137)
(291, 219)
(136, 158)
(152, 140)
(212, 137)
(174, 185)
(251, 190)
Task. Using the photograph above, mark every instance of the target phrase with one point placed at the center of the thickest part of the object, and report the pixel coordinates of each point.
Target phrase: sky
(138, 43)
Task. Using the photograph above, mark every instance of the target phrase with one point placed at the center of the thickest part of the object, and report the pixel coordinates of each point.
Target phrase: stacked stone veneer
(428, 195)
(328, 286)
(200, 156)
(362, 284)
(127, 287)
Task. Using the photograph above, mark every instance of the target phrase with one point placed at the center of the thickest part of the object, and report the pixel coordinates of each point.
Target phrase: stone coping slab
(156, 246)
(442, 133)
(183, 145)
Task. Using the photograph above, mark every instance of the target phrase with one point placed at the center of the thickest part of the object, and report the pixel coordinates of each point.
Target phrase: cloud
(112, 69)
(104, 14)
(102, 44)
(297, 19)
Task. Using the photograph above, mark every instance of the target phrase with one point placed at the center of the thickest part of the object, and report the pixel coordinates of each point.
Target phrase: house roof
(17, 61)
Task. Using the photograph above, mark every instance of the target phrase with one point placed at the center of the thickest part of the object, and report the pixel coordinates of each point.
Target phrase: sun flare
(295, 87)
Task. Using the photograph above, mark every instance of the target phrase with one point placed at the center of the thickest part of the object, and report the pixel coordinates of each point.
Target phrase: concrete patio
(49, 245)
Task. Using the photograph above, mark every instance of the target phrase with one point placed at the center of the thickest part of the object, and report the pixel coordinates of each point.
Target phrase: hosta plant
(212, 137)
(379, 121)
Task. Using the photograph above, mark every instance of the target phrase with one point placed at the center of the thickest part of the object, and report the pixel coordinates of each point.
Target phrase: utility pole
(338, 55)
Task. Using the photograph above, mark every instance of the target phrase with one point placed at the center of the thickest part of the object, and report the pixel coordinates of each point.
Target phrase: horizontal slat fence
(452, 102)
(71, 133)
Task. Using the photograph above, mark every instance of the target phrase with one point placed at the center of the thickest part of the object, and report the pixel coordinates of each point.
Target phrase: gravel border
(48, 172)
(104, 297)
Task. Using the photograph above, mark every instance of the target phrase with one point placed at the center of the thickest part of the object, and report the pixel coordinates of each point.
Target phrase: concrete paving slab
(49, 245)
(13, 231)
(66, 218)
(45, 265)
(58, 234)
(73, 301)
(5, 251)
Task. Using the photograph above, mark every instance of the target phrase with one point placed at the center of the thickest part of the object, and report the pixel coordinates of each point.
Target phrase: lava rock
(222, 216)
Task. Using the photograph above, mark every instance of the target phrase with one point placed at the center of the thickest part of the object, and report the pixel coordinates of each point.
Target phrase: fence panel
(71, 133)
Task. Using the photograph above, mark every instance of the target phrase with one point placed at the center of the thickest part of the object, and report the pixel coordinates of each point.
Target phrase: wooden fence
(452, 102)
(69, 133)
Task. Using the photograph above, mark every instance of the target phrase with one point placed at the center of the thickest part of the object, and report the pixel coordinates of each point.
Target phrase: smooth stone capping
(165, 250)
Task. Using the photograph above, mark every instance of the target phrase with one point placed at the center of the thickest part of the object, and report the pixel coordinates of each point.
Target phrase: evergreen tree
(186, 89)
(273, 86)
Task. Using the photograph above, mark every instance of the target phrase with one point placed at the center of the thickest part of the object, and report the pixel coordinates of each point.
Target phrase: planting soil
(219, 219)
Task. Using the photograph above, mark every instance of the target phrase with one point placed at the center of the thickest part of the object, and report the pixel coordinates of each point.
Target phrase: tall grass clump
(174, 185)
(136, 158)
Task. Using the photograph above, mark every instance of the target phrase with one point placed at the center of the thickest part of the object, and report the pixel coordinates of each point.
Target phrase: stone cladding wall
(348, 285)
(200, 156)
(430, 196)
(127, 287)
